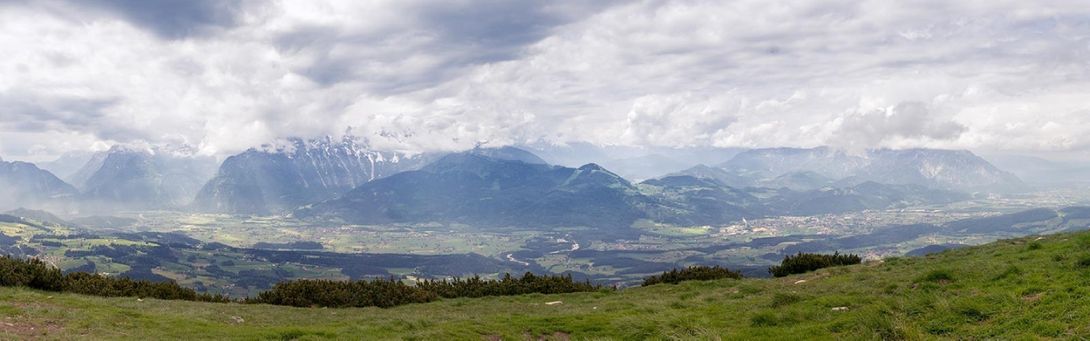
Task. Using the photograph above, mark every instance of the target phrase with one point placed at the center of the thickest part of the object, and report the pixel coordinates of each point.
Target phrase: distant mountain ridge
(23, 183)
(633, 163)
(800, 169)
(68, 164)
(345, 179)
(478, 190)
(90, 166)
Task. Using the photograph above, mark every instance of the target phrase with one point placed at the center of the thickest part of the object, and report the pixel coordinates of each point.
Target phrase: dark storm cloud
(450, 35)
(30, 110)
(172, 19)
(496, 28)
(25, 113)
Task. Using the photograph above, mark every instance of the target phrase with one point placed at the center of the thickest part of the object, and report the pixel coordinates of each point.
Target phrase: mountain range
(295, 172)
(123, 177)
(486, 187)
(483, 189)
(144, 178)
(345, 179)
(633, 163)
(24, 184)
(814, 168)
(479, 190)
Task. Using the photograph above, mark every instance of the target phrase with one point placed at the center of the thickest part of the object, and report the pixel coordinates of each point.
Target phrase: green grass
(1012, 289)
(669, 230)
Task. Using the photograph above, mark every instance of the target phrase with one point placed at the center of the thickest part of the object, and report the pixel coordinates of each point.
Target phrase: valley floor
(1023, 288)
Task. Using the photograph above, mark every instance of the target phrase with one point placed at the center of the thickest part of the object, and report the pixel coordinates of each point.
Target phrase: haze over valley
(828, 169)
(336, 208)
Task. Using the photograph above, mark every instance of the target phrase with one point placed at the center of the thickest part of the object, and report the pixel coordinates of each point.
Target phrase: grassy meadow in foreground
(1031, 288)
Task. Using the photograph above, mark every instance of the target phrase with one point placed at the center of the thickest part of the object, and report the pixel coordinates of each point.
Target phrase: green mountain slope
(1034, 287)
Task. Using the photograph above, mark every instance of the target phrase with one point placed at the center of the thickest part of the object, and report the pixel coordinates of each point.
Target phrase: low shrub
(806, 262)
(529, 283)
(692, 273)
(35, 274)
(341, 294)
(390, 292)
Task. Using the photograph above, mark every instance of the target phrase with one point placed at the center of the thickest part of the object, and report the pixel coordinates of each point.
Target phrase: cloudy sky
(223, 75)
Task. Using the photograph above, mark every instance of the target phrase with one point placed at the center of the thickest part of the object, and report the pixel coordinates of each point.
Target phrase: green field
(403, 239)
(1027, 288)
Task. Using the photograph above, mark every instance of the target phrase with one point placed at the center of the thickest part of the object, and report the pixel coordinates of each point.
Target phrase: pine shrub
(806, 262)
(692, 273)
(36, 274)
(341, 294)
(390, 292)
(506, 286)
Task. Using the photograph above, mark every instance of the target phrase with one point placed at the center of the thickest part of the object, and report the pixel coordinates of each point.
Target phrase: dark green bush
(692, 273)
(98, 285)
(35, 274)
(806, 262)
(506, 286)
(339, 294)
(390, 292)
(29, 273)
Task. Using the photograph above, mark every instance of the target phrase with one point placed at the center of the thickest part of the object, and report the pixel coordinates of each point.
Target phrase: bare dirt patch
(24, 329)
(557, 336)
(1032, 298)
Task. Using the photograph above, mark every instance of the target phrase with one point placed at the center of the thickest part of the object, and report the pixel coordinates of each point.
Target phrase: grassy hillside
(1025, 288)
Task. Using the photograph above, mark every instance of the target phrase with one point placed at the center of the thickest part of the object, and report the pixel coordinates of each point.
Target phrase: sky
(222, 76)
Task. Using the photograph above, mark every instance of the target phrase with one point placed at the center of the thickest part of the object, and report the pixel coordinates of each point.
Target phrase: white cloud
(996, 75)
(902, 125)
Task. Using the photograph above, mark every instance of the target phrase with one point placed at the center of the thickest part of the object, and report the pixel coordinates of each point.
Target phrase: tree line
(36, 274)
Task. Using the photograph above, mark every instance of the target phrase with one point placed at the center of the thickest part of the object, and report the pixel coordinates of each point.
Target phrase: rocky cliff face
(277, 178)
